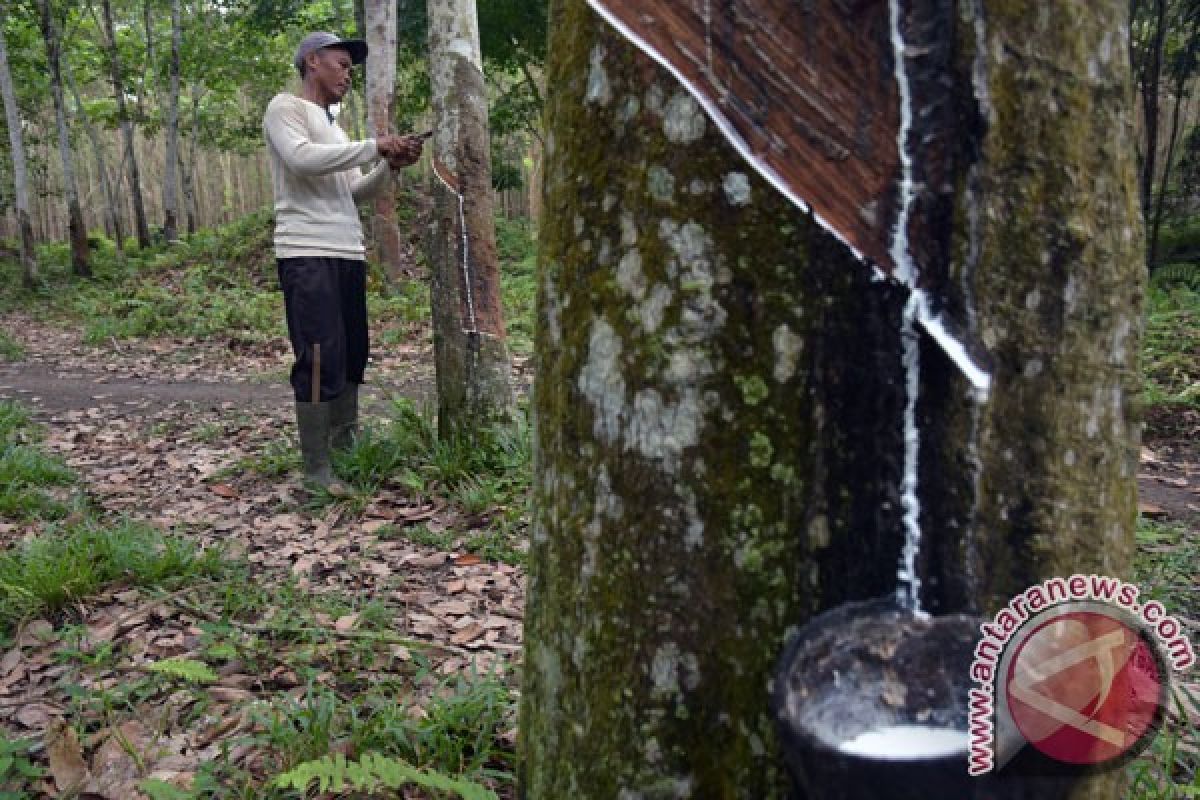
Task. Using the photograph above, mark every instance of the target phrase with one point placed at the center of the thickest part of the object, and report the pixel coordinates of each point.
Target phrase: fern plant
(373, 772)
(184, 669)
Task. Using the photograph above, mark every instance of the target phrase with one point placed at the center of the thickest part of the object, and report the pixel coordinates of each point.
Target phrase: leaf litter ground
(335, 598)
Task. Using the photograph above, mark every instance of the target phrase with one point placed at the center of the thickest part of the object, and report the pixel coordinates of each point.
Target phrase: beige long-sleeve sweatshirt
(316, 173)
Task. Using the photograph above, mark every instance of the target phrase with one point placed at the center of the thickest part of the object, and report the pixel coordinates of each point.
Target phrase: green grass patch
(1171, 348)
(458, 733)
(1165, 569)
(219, 282)
(18, 771)
(45, 574)
(516, 244)
(1170, 768)
(10, 348)
(407, 446)
(1165, 565)
(33, 484)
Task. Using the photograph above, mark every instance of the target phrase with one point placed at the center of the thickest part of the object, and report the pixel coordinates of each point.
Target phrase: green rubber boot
(343, 418)
(313, 421)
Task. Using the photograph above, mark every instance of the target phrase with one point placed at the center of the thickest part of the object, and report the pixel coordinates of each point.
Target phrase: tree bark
(75, 224)
(171, 161)
(381, 85)
(474, 375)
(112, 212)
(16, 140)
(189, 172)
(1150, 80)
(721, 392)
(126, 124)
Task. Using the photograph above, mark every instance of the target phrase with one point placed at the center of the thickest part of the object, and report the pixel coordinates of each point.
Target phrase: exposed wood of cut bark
(808, 88)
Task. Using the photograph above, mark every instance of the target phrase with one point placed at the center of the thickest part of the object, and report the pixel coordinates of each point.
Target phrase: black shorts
(326, 304)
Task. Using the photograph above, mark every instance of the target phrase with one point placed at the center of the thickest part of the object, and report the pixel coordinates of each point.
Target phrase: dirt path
(61, 373)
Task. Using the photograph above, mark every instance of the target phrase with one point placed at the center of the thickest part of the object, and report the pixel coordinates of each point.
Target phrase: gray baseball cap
(322, 39)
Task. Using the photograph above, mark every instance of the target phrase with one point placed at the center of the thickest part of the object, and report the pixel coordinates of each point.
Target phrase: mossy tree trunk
(1048, 268)
(474, 374)
(720, 396)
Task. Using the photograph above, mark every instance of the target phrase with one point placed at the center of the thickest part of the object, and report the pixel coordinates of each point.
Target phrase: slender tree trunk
(721, 396)
(112, 213)
(1182, 73)
(16, 140)
(75, 225)
(171, 161)
(1150, 81)
(126, 124)
(189, 172)
(474, 375)
(381, 86)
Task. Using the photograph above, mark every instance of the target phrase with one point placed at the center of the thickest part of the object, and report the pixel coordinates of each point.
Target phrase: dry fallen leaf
(37, 632)
(223, 490)
(468, 634)
(1151, 511)
(115, 769)
(67, 767)
(229, 694)
(37, 716)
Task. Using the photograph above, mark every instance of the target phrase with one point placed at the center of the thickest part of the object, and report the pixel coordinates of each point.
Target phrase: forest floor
(173, 432)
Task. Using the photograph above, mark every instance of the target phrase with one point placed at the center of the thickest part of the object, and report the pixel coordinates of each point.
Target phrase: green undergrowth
(1165, 565)
(1171, 349)
(71, 553)
(455, 732)
(1170, 768)
(333, 702)
(45, 574)
(485, 477)
(222, 283)
(10, 348)
(516, 244)
(18, 769)
(34, 485)
(1165, 570)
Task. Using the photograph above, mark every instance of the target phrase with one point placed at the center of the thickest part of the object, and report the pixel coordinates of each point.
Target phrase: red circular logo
(1085, 688)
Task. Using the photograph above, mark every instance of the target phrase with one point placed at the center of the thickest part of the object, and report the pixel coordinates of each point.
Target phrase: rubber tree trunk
(1150, 86)
(720, 395)
(16, 141)
(112, 214)
(171, 160)
(126, 124)
(381, 85)
(188, 169)
(75, 224)
(474, 375)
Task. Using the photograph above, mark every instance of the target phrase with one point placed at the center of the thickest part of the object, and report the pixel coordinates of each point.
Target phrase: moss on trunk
(719, 398)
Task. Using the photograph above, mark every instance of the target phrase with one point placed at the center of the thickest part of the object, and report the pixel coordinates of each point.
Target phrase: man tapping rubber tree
(319, 248)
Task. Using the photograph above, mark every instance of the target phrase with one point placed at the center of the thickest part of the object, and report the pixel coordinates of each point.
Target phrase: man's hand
(387, 144)
(406, 152)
